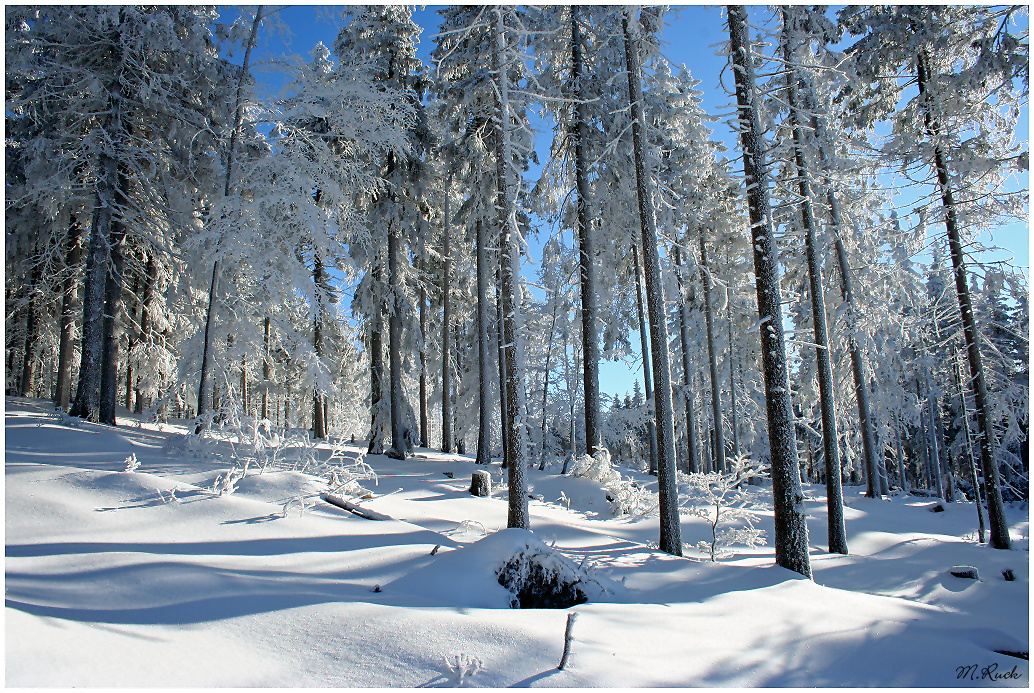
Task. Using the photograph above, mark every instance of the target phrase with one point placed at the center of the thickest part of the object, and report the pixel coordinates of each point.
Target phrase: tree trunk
(319, 423)
(202, 404)
(587, 253)
(670, 527)
(791, 529)
(376, 445)
(484, 454)
(131, 341)
(113, 306)
(712, 358)
(837, 531)
(732, 384)
(969, 444)
(267, 368)
(88, 391)
(517, 515)
(32, 331)
(69, 300)
(985, 433)
(398, 433)
(423, 340)
(692, 462)
(504, 418)
(545, 390)
(446, 322)
(858, 366)
(644, 346)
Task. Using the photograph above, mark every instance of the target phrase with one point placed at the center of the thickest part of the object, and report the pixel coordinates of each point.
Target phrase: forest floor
(151, 577)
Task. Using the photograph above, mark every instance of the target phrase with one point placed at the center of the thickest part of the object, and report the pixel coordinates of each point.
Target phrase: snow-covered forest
(234, 321)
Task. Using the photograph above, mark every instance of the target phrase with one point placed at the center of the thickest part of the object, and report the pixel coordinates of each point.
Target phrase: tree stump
(481, 484)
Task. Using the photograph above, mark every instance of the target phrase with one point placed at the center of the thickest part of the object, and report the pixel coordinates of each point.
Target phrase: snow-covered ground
(114, 580)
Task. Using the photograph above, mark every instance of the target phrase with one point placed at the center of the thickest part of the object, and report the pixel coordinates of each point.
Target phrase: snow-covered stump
(481, 484)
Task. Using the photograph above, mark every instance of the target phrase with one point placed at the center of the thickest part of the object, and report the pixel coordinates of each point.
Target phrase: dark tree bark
(32, 331)
(376, 445)
(644, 346)
(202, 388)
(712, 359)
(692, 461)
(319, 422)
(858, 368)
(670, 527)
(87, 402)
(985, 433)
(791, 529)
(837, 531)
(69, 303)
(113, 308)
(587, 253)
(267, 368)
(513, 434)
(484, 455)
(446, 322)
(423, 338)
(398, 433)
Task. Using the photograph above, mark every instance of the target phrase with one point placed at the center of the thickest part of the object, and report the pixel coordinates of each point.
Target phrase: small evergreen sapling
(723, 499)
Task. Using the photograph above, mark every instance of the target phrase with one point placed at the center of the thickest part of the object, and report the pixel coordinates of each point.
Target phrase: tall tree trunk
(376, 445)
(32, 331)
(545, 388)
(69, 303)
(202, 403)
(732, 383)
(858, 366)
(398, 432)
(670, 528)
(446, 322)
(791, 529)
(484, 454)
(985, 436)
(837, 531)
(644, 346)
(587, 253)
(319, 423)
(500, 340)
(423, 340)
(957, 371)
(517, 514)
(146, 329)
(131, 341)
(692, 462)
(88, 390)
(267, 368)
(712, 359)
(113, 306)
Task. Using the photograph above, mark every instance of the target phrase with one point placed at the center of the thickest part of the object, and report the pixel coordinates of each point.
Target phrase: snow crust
(114, 580)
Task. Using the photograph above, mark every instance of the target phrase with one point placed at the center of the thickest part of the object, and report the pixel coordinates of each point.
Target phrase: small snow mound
(503, 570)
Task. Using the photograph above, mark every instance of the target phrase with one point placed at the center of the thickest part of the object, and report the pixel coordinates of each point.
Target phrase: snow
(109, 582)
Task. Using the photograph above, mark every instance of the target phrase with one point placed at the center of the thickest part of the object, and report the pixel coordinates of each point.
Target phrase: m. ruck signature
(974, 672)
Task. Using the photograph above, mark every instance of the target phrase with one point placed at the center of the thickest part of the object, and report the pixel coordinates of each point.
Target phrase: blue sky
(691, 37)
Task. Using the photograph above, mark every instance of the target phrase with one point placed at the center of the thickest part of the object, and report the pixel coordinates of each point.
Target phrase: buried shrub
(539, 577)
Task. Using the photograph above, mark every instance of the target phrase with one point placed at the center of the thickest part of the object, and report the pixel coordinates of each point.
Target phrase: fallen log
(351, 507)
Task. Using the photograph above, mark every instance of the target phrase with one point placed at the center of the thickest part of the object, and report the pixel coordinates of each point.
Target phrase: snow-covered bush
(132, 463)
(202, 447)
(462, 665)
(722, 499)
(540, 577)
(626, 498)
(70, 421)
(225, 484)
